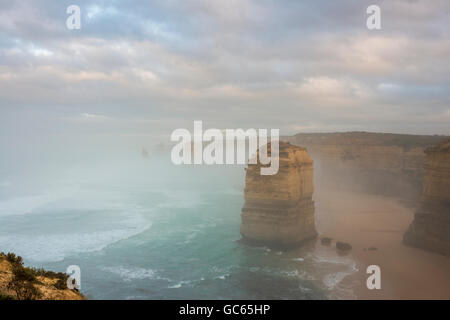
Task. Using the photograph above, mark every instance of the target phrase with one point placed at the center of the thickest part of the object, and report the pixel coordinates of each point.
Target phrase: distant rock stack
(278, 209)
(430, 229)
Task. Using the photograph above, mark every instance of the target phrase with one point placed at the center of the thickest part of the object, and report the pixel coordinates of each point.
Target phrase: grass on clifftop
(24, 279)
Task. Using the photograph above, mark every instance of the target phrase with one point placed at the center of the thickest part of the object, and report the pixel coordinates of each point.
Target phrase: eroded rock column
(279, 209)
(430, 229)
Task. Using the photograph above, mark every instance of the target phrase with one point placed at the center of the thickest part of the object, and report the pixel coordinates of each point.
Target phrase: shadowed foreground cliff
(18, 282)
(430, 229)
(279, 209)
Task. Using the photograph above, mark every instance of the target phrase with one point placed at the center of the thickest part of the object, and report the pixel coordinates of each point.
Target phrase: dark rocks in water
(343, 246)
(326, 241)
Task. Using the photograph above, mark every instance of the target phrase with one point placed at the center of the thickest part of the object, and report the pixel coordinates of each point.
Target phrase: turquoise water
(143, 229)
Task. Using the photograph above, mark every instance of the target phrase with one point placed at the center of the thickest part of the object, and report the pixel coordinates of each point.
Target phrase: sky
(137, 70)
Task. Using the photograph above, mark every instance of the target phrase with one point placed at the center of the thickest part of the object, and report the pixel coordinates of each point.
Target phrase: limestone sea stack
(430, 229)
(278, 209)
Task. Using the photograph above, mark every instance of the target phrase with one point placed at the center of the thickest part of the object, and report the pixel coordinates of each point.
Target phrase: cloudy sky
(140, 69)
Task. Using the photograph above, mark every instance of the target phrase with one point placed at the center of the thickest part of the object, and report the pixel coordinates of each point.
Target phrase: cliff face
(278, 209)
(430, 229)
(370, 162)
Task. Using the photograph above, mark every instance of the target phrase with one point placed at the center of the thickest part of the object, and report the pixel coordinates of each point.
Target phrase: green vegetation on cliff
(18, 282)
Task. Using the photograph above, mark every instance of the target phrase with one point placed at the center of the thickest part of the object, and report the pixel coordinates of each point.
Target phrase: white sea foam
(56, 246)
(179, 284)
(120, 219)
(331, 269)
(184, 282)
(132, 273)
(301, 274)
(176, 286)
(333, 279)
(298, 259)
(223, 276)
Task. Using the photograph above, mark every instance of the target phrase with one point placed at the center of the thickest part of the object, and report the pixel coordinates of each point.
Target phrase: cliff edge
(380, 163)
(18, 282)
(279, 209)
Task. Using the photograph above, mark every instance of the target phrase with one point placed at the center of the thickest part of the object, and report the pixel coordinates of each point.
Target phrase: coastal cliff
(379, 163)
(18, 282)
(430, 229)
(279, 209)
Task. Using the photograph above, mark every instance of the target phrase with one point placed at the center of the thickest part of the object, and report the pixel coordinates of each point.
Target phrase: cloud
(332, 92)
(232, 64)
(94, 117)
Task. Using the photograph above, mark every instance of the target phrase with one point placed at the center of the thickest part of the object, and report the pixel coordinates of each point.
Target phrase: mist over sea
(146, 229)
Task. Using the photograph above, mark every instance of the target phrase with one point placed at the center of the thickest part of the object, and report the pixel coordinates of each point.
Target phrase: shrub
(23, 280)
(24, 274)
(61, 284)
(24, 290)
(12, 258)
(50, 274)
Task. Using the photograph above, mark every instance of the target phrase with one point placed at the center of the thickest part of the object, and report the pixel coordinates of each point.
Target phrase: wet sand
(375, 221)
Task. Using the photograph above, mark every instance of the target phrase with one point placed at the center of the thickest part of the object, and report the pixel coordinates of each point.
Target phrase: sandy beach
(375, 221)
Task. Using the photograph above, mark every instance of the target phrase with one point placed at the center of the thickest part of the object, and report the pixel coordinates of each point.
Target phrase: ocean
(146, 229)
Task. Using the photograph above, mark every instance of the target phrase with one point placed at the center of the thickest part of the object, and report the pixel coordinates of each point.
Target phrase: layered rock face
(430, 229)
(279, 209)
(380, 163)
